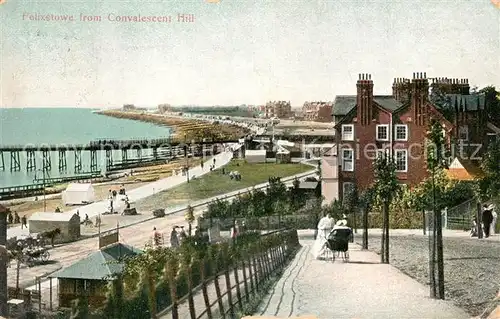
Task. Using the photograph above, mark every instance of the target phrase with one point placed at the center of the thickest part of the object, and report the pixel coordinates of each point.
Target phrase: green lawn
(214, 183)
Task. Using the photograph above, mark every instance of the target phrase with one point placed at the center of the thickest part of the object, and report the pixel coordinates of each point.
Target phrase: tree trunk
(432, 256)
(423, 223)
(439, 251)
(152, 295)
(386, 228)
(382, 243)
(365, 228)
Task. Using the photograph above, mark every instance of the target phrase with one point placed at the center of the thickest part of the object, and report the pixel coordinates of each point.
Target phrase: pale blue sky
(238, 51)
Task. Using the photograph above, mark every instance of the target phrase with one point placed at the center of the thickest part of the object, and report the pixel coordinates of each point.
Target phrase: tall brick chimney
(364, 99)
(419, 97)
(400, 89)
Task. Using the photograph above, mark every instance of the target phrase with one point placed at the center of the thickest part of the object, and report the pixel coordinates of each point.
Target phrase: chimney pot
(413, 75)
(425, 75)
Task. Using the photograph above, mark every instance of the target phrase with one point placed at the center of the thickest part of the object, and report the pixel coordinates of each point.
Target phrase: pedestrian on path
(487, 220)
(174, 240)
(24, 222)
(201, 164)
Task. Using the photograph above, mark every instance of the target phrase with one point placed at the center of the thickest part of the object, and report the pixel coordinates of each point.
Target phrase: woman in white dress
(325, 225)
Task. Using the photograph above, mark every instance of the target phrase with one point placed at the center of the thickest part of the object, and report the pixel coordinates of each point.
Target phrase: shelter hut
(90, 276)
(283, 155)
(463, 170)
(68, 224)
(78, 194)
(255, 156)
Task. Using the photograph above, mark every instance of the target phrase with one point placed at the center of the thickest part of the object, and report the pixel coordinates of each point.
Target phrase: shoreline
(190, 129)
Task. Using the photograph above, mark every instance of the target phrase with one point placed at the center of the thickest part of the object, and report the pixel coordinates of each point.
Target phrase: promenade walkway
(97, 208)
(362, 288)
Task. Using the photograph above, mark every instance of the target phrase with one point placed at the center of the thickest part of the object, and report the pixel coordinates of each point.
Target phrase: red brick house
(368, 124)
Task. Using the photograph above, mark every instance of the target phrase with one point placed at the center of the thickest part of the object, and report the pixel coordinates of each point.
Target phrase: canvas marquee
(77, 194)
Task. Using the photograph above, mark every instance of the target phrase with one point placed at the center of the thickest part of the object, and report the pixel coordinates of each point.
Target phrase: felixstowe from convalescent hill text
(111, 17)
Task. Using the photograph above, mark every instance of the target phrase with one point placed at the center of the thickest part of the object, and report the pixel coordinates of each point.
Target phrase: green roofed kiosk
(91, 275)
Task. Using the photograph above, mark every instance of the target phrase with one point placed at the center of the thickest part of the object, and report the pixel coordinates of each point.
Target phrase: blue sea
(23, 126)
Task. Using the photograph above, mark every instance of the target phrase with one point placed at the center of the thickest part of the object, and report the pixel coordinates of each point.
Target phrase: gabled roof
(469, 102)
(79, 187)
(343, 104)
(99, 265)
(387, 102)
(52, 217)
(463, 170)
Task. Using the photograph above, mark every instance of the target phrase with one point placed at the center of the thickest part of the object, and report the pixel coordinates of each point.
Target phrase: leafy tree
(189, 217)
(386, 187)
(489, 185)
(436, 162)
(350, 203)
(493, 102)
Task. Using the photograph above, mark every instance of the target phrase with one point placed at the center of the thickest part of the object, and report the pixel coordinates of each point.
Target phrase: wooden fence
(243, 277)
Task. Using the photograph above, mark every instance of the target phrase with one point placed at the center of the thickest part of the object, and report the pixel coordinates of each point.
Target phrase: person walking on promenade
(10, 218)
(174, 240)
(201, 164)
(214, 162)
(24, 222)
(17, 220)
(495, 218)
(487, 220)
(182, 235)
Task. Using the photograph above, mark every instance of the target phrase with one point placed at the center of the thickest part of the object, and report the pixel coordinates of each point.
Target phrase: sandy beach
(141, 176)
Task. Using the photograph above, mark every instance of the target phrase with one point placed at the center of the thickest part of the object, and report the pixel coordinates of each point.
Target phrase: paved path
(97, 208)
(362, 288)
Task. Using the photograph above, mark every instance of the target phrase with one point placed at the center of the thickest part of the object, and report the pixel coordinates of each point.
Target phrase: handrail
(210, 279)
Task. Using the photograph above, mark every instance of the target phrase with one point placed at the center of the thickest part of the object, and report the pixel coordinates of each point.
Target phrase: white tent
(255, 156)
(77, 194)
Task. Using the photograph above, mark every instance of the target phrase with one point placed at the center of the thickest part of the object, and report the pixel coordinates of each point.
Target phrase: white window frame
(396, 151)
(466, 131)
(398, 126)
(347, 138)
(344, 168)
(345, 188)
(377, 131)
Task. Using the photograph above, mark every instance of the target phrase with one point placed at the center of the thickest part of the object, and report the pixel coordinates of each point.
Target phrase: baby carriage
(338, 243)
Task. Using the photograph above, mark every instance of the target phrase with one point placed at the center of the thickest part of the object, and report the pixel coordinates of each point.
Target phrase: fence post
(219, 296)
(173, 296)
(189, 278)
(245, 278)
(39, 294)
(202, 265)
(424, 223)
(256, 270)
(50, 292)
(229, 290)
(237, 280)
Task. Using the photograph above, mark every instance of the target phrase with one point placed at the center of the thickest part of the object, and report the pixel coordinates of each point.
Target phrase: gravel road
(472, 266)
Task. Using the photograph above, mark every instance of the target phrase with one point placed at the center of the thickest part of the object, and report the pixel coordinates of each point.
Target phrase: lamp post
(186, 157)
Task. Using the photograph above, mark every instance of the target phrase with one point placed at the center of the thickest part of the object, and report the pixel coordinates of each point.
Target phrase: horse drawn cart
(31, 256)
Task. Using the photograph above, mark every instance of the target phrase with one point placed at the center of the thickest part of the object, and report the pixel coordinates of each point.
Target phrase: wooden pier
(160, 149)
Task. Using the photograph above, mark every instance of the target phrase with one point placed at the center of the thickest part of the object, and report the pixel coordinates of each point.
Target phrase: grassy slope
(214, 183)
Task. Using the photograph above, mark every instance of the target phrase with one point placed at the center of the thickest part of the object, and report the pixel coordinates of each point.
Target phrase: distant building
(279, 109)
(317, 111)
(164, 108)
